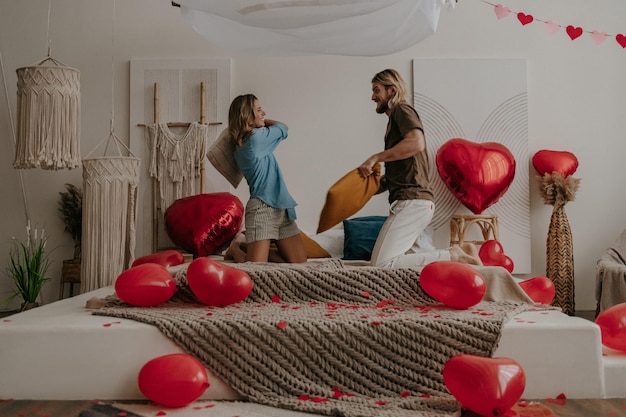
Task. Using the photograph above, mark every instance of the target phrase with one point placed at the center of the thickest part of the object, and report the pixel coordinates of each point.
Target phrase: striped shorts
(267, 223)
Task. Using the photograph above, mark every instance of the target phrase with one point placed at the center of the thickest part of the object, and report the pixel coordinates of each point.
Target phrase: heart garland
(572, 31)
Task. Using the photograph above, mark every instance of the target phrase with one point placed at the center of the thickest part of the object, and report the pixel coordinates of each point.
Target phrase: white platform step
(614, 362)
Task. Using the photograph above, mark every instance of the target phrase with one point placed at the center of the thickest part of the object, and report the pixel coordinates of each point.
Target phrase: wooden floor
(615, 407)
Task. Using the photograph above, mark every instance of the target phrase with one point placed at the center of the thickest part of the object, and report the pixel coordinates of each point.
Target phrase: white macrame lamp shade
(337, 27)
(109, 219)
(48, 116)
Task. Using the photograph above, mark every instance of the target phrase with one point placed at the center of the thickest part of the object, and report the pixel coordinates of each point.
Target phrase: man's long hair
(391, 78)
(241, 117)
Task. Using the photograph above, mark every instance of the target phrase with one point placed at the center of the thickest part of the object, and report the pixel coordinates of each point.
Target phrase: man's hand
(367, 168)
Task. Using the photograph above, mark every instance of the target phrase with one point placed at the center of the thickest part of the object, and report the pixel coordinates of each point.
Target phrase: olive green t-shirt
(407, 179)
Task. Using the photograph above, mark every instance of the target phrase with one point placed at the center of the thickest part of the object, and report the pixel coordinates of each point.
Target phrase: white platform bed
(61, 351)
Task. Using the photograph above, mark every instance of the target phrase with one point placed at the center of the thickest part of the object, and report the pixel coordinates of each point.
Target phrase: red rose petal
(303, 397)
(380, 403)
(405, 393)
(365, 294)
(161, 413)
(282, 324)
(122, 414)
(275, 299)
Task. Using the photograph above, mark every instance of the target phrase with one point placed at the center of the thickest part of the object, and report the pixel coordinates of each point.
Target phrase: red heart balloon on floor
(145, 285)
(486, 386)
(202, 223)
(174, 380)
(454, 284)
(547, 162)
(540, 289)
(477, 174)
(166, 258)
(216, 284)
(612, 322)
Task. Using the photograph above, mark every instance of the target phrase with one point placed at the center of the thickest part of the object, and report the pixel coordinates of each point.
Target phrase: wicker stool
(69, 273)
(460, 224)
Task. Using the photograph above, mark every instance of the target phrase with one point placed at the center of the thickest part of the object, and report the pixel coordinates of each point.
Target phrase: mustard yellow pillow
(313, 249)
(347, 196)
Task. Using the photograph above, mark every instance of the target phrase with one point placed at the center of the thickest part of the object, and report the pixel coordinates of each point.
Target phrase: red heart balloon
(491, 253)
(486, 386)
(612, 322)
(547, 162)
(540, 289)
(477, 174)
(166, 258)
(202, 223)
(216, 284)
(455, 284)
(174, 380)
(145, 285)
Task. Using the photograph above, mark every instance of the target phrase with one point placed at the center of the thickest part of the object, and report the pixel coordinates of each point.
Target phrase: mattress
(61, 351)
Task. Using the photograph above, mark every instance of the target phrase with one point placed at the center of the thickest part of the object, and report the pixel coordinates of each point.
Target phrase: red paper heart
(525, 18)
(574, 32)
(216, 284)
(621, 39)
(202, 223)
(455, 284)
(486, 386)
(477, 174)
(547, 162)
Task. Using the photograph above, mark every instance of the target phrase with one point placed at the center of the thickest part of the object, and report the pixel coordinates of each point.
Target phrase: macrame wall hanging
(48, 115)
(109, 208)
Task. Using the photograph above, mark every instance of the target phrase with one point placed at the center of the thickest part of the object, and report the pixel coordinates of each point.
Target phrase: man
(406, 178)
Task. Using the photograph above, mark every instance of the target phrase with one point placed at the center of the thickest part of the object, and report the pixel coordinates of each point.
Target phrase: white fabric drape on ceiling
(334, 27)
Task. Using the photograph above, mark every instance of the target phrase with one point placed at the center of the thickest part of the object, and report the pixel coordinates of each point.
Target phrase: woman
(270, 212)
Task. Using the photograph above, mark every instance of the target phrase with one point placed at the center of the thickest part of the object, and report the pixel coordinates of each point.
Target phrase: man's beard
(383, 107)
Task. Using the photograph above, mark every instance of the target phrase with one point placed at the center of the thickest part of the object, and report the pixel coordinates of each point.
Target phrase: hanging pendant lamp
(110, 184)
(48, 114)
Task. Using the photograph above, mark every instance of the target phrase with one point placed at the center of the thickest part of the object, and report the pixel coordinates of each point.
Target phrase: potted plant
(27, 267)
(71, 209)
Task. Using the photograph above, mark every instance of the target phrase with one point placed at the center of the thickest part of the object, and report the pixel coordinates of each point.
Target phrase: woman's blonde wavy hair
(241, 117)
(390, 78)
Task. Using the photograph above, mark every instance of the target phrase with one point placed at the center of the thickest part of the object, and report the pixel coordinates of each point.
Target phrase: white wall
(577, 101)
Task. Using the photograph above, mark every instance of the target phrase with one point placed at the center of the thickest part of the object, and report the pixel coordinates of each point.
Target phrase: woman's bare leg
(292, 249)
(258, 251)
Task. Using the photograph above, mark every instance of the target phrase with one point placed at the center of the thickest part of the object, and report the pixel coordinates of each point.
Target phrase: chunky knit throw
(330, 339)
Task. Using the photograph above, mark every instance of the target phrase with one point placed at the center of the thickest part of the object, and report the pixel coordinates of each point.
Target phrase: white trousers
(403, 241)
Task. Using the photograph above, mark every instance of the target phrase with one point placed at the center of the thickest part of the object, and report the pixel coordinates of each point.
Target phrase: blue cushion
(360, 236)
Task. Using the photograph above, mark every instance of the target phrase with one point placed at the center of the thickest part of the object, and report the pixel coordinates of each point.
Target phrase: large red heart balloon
(491, 253)
(217, 284)
(166, 258)
(486, 386)
(540, 289)
(202, 223)
(455, 284)
(145, 285)
(612, 322)
(477, 174)
(174, 380)
(547, 162)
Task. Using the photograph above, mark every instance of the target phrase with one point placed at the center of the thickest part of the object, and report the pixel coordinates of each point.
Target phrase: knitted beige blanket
(330, 339)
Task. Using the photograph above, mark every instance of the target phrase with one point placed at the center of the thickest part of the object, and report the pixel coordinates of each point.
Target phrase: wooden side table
(460, 224)
(70, 273)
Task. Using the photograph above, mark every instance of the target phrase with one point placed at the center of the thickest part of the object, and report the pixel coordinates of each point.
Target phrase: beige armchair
(611, 275)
